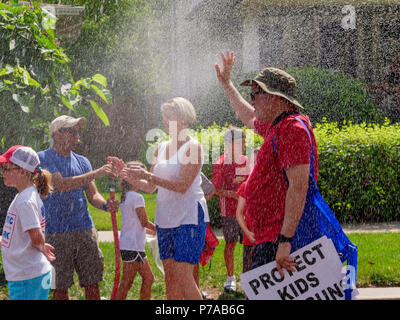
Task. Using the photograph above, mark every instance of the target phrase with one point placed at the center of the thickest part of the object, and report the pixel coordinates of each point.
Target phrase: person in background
(181, 212)
(69, 226)
(392, 83)
(134, 222)
(25, 253)
(228, 173)
(388, 92)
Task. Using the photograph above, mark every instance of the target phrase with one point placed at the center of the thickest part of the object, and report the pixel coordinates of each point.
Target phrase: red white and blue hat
(22, 156)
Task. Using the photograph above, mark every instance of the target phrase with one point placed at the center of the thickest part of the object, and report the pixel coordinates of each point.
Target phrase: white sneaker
(230, 285)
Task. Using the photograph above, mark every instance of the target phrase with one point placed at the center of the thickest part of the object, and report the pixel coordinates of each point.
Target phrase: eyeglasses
(253, 94)
(71, 131)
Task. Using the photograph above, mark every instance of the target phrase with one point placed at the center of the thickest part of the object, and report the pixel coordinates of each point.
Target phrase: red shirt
(228, 175)
(241, 193)
(266, 187)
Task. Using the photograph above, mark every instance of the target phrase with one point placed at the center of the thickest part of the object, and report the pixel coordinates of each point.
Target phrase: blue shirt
(66, 211)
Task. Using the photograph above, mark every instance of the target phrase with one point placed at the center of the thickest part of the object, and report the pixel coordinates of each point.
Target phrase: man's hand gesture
(228, 61)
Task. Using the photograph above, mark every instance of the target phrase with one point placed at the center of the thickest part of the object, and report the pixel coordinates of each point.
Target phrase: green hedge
(325, 93)
(359, 166)
(359, 170)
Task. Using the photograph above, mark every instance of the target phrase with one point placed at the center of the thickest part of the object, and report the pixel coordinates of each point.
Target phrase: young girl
(25, 254)
(133, 239)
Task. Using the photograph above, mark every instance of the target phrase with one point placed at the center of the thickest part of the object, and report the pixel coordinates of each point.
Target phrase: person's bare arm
(243, 109)
(144, 220)
(38, 242)
(294, 205)
(63, 184)
(211, 194)
(227, 193)
(189, 171)
(97, 200)
(241, 220)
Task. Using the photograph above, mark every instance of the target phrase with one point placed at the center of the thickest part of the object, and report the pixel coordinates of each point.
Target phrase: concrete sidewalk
(390, 293)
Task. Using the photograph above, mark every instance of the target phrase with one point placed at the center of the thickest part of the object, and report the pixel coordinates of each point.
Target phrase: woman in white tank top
(181, 213)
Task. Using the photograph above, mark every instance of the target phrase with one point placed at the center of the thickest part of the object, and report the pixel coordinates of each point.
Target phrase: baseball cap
(22, 156)
(276, 81)
(66, 122)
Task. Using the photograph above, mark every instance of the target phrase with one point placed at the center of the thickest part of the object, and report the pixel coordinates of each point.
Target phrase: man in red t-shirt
(229, 172)
(277, 187)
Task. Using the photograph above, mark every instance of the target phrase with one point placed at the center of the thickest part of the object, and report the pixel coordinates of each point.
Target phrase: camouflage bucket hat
(278, 82)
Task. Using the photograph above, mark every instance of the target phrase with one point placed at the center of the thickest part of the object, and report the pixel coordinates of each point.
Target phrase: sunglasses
(253, 94)
(71, 131)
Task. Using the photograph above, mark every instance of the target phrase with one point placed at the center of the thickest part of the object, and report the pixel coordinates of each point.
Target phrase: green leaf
(83, 82)
(9, 26)
(100, 113)
(67, 103)
(25, 101)
(99, 78)
(103, 93)
(7, 70)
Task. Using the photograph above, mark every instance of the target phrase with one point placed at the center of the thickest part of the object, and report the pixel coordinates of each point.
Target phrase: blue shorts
(265, 252)
(184, 243)
(33, 289)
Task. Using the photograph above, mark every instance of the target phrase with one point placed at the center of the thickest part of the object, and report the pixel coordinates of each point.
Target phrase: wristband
(150, 177)
(282, 238)
(105, 206)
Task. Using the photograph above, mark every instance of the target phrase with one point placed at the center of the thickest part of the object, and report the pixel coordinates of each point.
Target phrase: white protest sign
(317, 276)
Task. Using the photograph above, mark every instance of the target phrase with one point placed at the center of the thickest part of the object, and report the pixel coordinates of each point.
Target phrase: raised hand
(133, 173)
(228, 61)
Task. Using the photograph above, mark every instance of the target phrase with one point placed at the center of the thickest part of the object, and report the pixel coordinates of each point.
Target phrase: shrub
(358, 168)
(328, 94)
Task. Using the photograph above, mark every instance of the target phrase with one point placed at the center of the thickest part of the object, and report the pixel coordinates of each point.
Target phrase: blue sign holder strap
(318, 220)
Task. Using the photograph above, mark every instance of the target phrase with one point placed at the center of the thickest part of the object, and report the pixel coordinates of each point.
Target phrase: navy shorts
(265, 252)
(184, 243)
(133, 256)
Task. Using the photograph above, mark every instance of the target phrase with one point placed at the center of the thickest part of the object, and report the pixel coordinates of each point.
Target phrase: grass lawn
(102, 219)
(378, 259)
